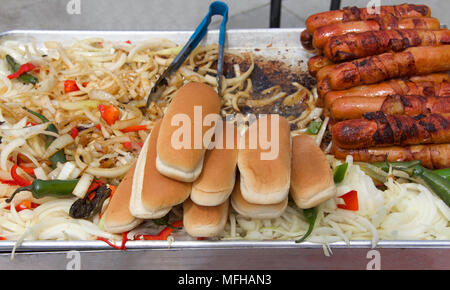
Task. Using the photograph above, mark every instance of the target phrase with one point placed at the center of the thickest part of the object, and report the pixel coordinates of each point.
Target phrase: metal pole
(335, 5)
(275, 13)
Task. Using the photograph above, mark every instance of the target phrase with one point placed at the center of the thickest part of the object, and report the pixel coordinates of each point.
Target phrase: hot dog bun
(117, 217)
(258, 211)
(311, 175)
(181, 157)
(153, 194)
(204, 221)
(265, 173)
(216, 181)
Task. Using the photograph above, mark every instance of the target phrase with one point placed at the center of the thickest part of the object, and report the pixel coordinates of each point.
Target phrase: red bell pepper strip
(122, 246)
(134, 128)
(28, 170)
(162, 235)
(124, 240)
(74, 132)
(70, 86)
(8, 182)
(17, 178)
(351, 201)
(3, 238)
(109, 113)
(24, 68)
(127, 145)
(24, 204)
(109, 243)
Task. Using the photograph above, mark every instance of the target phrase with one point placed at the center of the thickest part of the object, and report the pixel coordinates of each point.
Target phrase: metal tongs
(215, 8)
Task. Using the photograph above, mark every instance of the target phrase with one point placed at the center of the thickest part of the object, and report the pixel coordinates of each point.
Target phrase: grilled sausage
(430, 85)
(356, 107)
(433, 156)
(373, 69)
(354, 14)
(322, 34)
(378, 129)
(357, 45)
(323, 84)
(306, 39)
(316, 63)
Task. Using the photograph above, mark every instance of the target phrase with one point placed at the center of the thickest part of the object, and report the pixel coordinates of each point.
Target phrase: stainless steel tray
(284, 45)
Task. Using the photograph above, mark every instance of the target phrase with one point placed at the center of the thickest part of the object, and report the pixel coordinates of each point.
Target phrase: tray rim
(52, 245)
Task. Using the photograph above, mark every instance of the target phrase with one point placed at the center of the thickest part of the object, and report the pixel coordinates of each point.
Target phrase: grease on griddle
(266, 74)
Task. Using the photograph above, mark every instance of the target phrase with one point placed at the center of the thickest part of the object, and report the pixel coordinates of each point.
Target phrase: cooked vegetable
(437, 183)
(24, 204)
(58, 145)
(83, 185)
(17, 178)
(59, 155)
(162, 235)
(42, 188)
(70, 86)
(90, 205)
(443, 172)
(314, 127)
(109, 113)
(351, 201)
(73, 106)
(385, 166)
(20, 72)
(310, 214)
(339, 172)
(164, 221)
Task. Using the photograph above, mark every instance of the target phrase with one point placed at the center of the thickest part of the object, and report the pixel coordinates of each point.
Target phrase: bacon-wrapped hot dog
(322, 34)
(431, 85)
(373, 69)
(354, 14)
(432, 156)
(317, 63)
(356, 107)
(323, 84)
(378, 129)
(357, 45)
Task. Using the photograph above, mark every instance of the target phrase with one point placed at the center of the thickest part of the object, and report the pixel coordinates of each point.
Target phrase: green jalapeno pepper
(445, 172)
(41, 188)
(310, 214)
(58, 156)
(25, 77)
(438, 184)
(396, 165)
(339, 172)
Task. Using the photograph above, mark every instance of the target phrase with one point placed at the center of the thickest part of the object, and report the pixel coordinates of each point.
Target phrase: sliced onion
(72, 106)
(83, 184)
(26, 131)
(40, 173)
(122, 124)
(58, 144)
(10, 147)
(265, 101)
(66, 171)
(101, 95)
(103, 172)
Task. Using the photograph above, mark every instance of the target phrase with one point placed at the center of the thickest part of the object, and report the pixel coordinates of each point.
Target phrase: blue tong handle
(215, 8)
